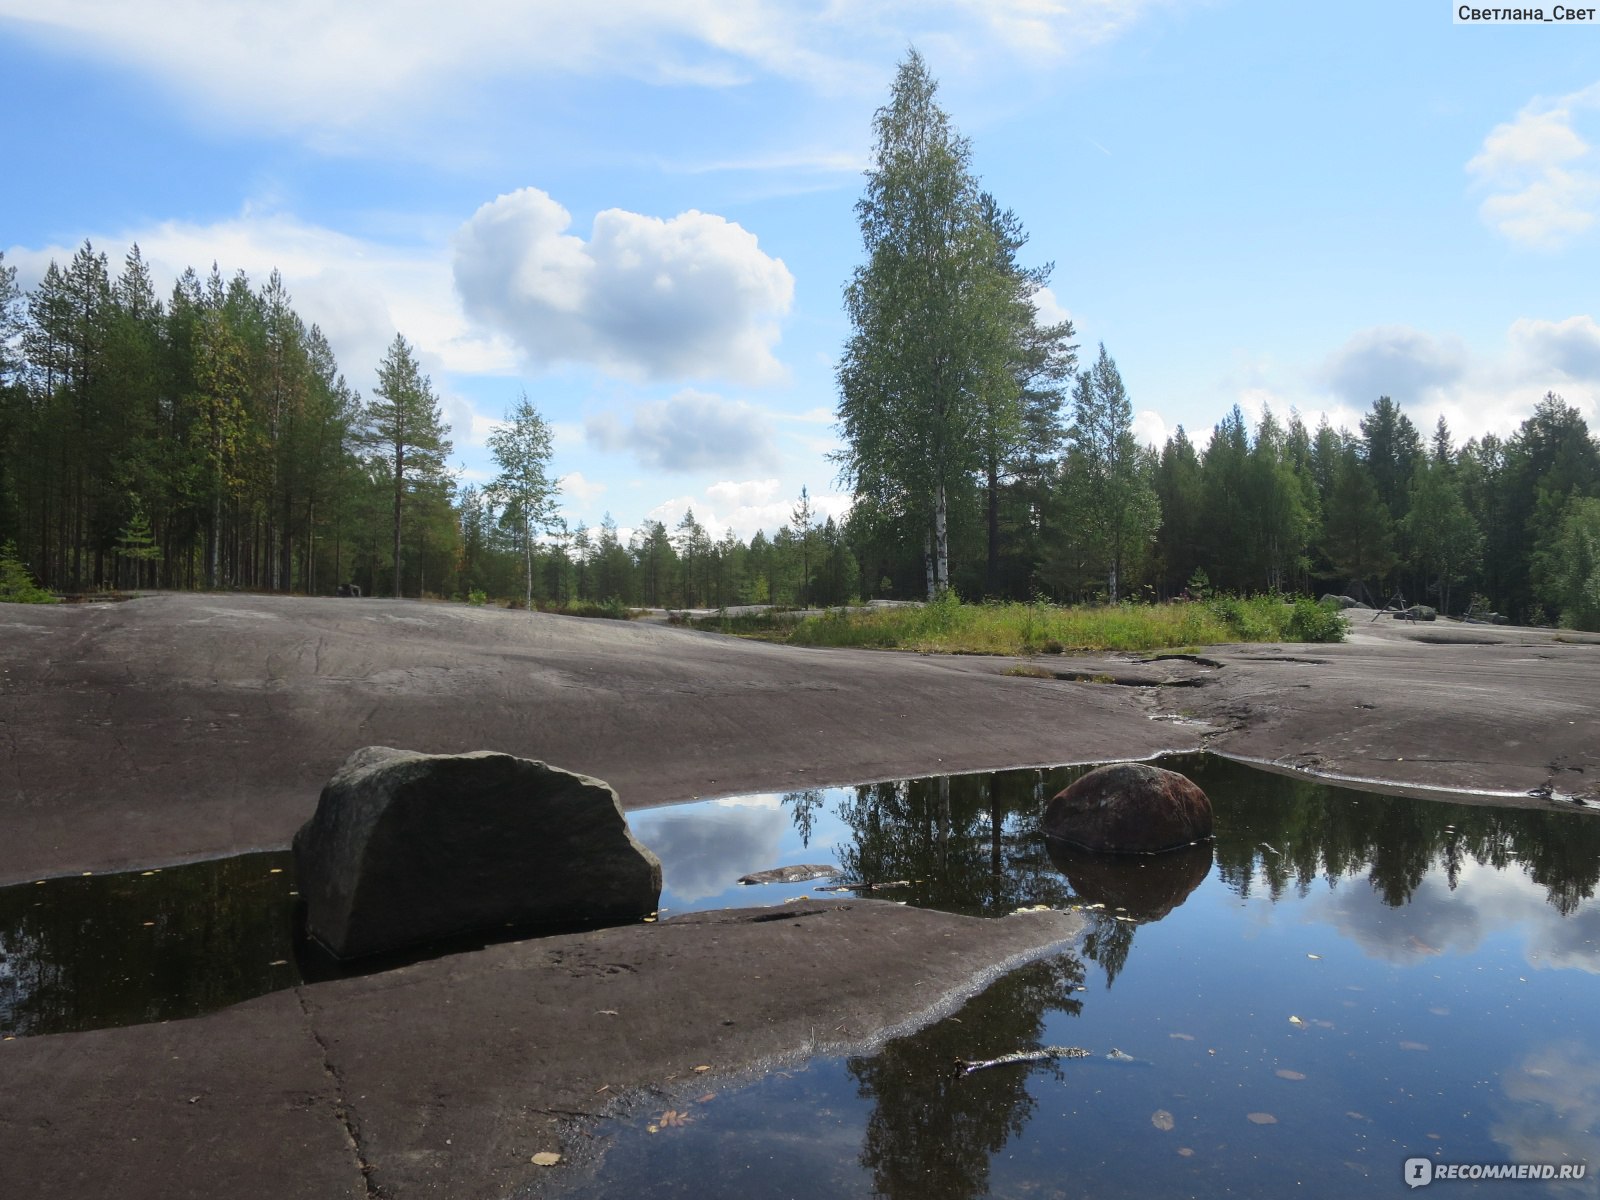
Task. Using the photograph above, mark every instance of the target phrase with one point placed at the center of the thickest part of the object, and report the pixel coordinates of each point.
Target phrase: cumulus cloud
(1150, 428)
(748, 506)
(690, 297)
(1048, 309)
(1540, 173)
(584, 491)
(691, 431)
(1571, 346)
(1393, 360)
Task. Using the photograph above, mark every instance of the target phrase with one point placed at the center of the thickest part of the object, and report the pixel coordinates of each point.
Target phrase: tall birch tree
(927, 309)
(521, 449)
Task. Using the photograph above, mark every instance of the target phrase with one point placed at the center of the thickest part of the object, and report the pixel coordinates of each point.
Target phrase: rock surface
(407, 848)
(1129, 808)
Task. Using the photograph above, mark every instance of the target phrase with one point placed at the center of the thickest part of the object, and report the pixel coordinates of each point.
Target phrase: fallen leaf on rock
(1261, 1118)
(1162, 1120)
(545, 1158)
(1285, 1073)
(702, 1069)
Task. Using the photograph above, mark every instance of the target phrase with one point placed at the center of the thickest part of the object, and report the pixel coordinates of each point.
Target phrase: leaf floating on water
(545, 1158)
(1322, 1024)
(672, 1117)
(1162, 1120)
(1413, 1045)
(1028, 908)
(1186, 1152)
(1260, 1118)
(1285, 1073)
(1182, 1037)
(707, 1098)
(1314, 957)
(1296, 1021)
(1119, 1056)
(1355, 1116)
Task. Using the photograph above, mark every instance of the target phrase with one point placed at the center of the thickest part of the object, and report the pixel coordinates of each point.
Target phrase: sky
(641, 212)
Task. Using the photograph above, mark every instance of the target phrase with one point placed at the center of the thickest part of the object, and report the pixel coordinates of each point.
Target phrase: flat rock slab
(445, 1078)
(183, 726)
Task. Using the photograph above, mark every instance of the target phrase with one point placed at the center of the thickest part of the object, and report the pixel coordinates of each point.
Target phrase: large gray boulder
(1129, 808)
(407, 848)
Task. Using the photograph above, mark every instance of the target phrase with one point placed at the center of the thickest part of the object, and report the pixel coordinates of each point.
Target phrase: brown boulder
(1129, 808)
(1142, 887)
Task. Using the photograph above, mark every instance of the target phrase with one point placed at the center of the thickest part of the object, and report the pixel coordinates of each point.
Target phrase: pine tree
(405, 423)
(1113, 497)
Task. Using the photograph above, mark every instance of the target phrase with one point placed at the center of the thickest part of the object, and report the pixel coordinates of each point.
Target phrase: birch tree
(521, 449)
(927, 312)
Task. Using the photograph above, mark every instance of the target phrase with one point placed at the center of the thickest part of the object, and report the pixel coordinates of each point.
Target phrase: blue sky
(640, 212)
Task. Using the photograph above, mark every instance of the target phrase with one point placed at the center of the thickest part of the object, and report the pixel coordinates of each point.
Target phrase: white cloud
(1571, 346)
(579, 488)
(748, 507)
(751, 491)
(360, 65)
(689, 297)
(1396, 361)
(1149, 428)
(691, 431)
(1544, 189)
(1047, 308)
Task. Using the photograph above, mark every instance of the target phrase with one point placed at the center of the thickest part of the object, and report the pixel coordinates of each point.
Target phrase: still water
(1342, 982)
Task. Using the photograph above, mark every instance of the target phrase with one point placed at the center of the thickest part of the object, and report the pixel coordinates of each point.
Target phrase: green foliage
(477, 598)
(1310, 621)
(1567, 569)
(16, 585)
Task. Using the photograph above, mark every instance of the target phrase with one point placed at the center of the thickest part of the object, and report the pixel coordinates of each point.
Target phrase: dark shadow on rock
(1145, 888)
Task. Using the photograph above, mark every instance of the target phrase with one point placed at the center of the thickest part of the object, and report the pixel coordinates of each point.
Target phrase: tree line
(981, 458)
(210, 440)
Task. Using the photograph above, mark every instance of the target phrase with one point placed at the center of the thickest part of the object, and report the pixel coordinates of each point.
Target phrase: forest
(209, 439)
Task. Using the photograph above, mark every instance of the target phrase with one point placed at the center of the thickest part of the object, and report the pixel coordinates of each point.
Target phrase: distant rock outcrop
(1130, 808)
(407, 848)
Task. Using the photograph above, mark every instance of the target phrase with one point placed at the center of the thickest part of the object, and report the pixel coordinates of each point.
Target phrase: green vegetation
(948, 626)
(209, 440)
(16, 585)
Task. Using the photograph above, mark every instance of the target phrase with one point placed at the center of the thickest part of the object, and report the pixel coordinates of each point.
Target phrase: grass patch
(948, 626)
(606, 610)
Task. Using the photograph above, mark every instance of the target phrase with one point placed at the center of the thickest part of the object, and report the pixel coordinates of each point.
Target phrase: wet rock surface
(407, 848)
(178, 727)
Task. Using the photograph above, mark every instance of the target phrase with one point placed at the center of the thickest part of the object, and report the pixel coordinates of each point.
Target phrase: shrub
(477, 598)
(1310, 621)
(16, 585)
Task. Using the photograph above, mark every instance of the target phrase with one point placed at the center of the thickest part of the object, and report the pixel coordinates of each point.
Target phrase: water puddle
(1344, 980)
